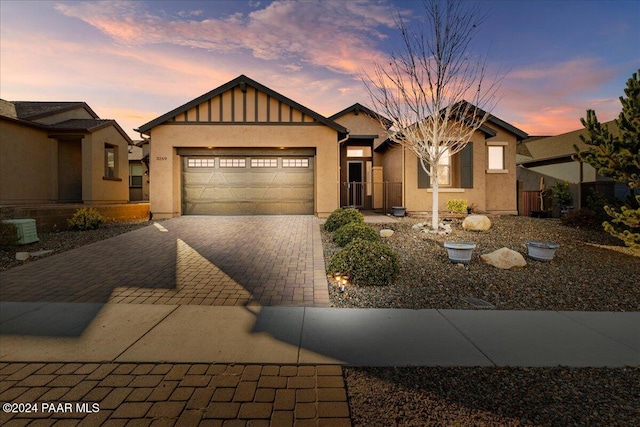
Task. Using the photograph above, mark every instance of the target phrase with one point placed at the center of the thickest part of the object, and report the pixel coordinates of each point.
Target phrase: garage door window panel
(264, 163)
(233, 163)
(201, 163)
(295, 163)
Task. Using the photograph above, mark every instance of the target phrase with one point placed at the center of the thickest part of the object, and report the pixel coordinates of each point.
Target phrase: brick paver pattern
(269, 260)
(177, 394)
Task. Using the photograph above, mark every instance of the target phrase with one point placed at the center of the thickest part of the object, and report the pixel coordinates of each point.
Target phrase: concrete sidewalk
(89, 332)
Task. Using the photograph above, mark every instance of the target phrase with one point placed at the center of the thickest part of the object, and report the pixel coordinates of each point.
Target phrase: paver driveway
(266, 260)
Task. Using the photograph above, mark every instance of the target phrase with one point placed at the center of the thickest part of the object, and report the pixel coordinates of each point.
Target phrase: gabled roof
(238, 81)
(520, 135)
(81, 124)
(559, 146)
(32, 110)
(489, 133)
(28, 111)
(357, 108)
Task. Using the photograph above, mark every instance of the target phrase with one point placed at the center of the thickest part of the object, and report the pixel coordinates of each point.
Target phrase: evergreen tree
(618, 157)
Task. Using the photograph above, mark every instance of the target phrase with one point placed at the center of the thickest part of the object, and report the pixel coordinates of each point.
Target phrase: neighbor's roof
(554, 147)
(28, 111)
(32, 110)
(242, 79)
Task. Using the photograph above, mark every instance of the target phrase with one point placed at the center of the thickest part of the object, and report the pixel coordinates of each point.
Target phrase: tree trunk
(434, 199)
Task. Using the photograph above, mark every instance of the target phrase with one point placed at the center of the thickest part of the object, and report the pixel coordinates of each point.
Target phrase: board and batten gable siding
(238, 106)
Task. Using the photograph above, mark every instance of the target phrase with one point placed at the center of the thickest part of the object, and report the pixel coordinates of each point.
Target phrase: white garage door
(257, 184)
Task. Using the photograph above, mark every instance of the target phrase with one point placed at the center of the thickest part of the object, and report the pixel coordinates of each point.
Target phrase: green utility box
(27, 232)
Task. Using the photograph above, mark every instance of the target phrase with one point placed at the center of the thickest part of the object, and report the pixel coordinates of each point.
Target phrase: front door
(355, 183)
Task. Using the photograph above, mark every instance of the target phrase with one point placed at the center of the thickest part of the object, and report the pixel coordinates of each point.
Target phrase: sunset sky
(135, 60)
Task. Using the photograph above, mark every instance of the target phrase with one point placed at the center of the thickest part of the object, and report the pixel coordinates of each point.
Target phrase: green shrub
(340, 217)
(366, 263)
(458, 206)
(355, 230)
(8, 234)
(85, 219)
(560, 192)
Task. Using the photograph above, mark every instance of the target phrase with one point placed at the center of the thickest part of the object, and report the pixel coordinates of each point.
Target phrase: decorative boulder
(504, 258)
(386, 233)
(476, 223)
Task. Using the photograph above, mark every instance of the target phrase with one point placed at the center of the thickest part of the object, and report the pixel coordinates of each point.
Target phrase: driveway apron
(242, 260)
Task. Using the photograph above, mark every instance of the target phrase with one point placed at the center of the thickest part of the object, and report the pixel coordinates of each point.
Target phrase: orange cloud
(337, 35)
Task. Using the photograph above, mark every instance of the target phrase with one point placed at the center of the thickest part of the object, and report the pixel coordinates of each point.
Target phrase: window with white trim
(264, 163)
(233, 163)
(495, 157)
(444, 169)
(295, 163)
(201, 163)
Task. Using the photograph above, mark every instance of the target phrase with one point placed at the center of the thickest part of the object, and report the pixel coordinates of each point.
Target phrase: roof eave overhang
(548, 161)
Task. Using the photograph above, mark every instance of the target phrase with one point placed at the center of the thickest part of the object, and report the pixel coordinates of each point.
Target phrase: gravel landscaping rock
(591, 271)
(488, 397)
(65, 240)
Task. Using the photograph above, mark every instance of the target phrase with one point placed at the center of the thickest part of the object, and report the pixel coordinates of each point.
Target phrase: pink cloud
(551, 99)
(337, 35)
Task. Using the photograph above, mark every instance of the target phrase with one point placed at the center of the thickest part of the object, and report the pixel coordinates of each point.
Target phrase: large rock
(386, 233)
(476, 223)
(504, 258)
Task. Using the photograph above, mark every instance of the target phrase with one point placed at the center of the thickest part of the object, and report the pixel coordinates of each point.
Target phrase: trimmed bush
(340, 217)
(85, 219)
(355, 230)
(366, 263)
(457, 206)
(8, 234)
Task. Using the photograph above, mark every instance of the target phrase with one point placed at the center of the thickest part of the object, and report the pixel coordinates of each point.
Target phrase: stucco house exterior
(60, 152)
(244, 149)
(483, 173)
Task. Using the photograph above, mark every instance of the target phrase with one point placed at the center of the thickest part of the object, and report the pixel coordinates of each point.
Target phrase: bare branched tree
(434, 89)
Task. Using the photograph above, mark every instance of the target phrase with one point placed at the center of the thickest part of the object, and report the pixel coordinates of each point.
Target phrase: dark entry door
(355, 182)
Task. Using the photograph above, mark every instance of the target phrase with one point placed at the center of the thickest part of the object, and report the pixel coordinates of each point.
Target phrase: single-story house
(243, 148)
(60, 152)
(553, 159)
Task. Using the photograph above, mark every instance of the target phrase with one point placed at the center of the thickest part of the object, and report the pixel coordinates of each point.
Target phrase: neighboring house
(245, 149)
(553, 159)
(139, 171)
(59, 152)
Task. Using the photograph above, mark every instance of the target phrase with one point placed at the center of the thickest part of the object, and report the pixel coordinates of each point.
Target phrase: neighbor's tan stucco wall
(491, 192)
(165, 173)
(27, 159)
(96, 189)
